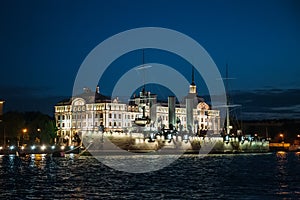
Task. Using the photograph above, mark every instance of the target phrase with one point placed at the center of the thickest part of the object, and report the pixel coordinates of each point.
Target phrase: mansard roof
(88, 96)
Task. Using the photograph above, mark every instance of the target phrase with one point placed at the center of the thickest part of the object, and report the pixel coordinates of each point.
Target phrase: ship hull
(139, 144)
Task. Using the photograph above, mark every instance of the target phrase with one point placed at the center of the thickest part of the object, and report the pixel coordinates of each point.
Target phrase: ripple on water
(242, 176)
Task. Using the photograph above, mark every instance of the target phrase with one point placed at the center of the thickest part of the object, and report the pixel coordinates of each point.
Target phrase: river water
(239, 176)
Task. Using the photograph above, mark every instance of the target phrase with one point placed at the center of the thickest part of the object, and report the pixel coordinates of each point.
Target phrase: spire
(98, 89)
(193, 76)
(193, 85)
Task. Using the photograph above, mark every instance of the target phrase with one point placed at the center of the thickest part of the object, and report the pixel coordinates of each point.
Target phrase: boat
(138, 126)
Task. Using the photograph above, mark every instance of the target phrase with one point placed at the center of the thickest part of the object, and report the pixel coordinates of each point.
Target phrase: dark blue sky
(43, 44)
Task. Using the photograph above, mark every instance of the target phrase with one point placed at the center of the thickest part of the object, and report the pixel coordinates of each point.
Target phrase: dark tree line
(27, 128)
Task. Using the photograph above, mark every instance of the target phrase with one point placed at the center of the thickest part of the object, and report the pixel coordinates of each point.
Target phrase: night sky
(43, 44)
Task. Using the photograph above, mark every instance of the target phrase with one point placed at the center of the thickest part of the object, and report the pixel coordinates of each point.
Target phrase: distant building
(1, 108)
(92, 111)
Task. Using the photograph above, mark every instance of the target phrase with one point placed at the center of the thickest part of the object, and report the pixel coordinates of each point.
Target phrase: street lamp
(24, 131)
(281, 135)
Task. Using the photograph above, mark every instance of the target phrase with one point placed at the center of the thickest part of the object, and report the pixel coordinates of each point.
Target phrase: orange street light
(24, 130)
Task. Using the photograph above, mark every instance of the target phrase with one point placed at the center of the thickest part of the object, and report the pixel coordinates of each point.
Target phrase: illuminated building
(92, 111)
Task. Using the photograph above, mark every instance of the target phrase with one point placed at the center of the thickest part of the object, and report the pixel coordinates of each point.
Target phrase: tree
(40, 128)
(48, 133)
(14, 122)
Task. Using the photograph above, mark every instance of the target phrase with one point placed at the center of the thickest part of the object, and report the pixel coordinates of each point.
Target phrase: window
(109, 115)
(109, 123)
(120, 116)
(115, 116)
(115, 123)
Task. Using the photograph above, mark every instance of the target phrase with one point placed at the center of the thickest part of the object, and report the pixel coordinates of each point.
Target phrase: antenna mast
(227, 107)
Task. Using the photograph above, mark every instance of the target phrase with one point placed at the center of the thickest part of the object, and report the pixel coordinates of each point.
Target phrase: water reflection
(241, 176)
(281, 155)
(287, 174)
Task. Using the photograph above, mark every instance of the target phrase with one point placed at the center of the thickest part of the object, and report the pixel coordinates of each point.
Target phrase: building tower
(193, 89)
(191, 101)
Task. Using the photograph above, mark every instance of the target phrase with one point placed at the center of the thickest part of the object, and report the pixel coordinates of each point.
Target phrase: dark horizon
(254, 105)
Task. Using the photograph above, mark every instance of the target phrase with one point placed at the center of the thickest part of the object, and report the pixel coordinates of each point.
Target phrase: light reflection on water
(250, 176)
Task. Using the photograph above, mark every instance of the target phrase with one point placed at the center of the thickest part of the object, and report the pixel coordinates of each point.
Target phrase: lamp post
(24, 131)
(39, 135)
(281, 135)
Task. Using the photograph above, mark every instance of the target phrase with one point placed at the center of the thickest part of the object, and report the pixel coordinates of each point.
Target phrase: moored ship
(145, 124)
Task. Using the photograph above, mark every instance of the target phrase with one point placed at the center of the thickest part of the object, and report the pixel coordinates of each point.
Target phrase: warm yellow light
(38, 129)
(24, 130)
(281, 135)
(298, 136)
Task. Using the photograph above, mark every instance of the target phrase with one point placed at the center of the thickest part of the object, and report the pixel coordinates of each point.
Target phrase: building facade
(92, 111)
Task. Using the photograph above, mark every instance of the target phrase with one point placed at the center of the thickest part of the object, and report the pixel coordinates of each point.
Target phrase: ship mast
(144, 74)
(227, 106)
